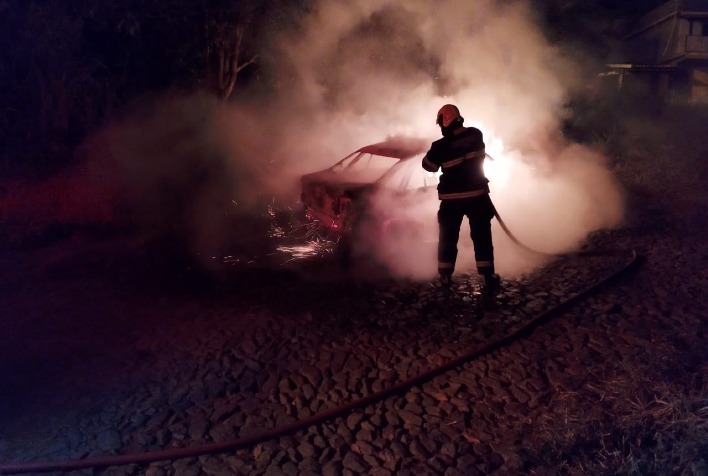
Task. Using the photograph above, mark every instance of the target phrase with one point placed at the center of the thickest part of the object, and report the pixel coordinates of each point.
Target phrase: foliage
(635, 419)
(67, 65)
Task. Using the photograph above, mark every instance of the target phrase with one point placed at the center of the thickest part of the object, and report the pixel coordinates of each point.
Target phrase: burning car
(338, 199)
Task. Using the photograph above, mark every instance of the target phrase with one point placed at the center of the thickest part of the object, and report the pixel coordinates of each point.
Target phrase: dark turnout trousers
(479, 211)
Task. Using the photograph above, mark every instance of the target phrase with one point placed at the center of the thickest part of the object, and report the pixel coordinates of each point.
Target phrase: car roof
(397, 147)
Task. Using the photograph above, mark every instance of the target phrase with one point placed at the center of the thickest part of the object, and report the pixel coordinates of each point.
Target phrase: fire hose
(631, 263)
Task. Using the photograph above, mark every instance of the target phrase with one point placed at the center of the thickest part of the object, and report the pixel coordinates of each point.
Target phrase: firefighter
(463, 191)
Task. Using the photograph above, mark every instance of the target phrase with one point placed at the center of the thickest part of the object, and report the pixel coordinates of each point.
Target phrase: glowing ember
(235, 260)
(307, 250)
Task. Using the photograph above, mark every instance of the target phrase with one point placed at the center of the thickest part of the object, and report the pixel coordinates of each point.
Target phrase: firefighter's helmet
(447, 114)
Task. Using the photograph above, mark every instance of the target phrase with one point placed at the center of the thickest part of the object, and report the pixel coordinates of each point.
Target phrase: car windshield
(365, 161)
(394, 163)
(408, 174)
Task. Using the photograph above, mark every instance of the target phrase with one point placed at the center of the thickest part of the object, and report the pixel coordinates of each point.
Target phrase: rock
(306, 450)
(410, 418)
(336, 364)
(197, 395)
(379, 471)
(222, 408)
(109, 441)
(286, 385)
(354, 462)
(332, 468)
(418, 450)
(163, 437)
(274, 470)
(352, 364)
(353, 420)
(363, 448)
(392, 418)
(448, 449)
(519, 394)
(289, 468)
(460, 404)
(308, 391)
(155, 470)
(310, 466)
(344, 432)
(197, 427)
(312, 374)
(186, 468)
(446, 407)
(364, 435)
(214, 466)
(400, 452)
(451, 471)
(222, 432)
(467, 463)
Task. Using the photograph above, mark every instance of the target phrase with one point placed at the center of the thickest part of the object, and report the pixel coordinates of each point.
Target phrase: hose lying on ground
(521, 245)
(249, 441)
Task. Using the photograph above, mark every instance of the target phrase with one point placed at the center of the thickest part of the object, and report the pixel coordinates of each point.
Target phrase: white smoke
(362, 70)
(353, 72)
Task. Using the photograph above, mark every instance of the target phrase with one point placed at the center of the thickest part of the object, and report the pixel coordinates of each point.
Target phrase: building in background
(665, 55)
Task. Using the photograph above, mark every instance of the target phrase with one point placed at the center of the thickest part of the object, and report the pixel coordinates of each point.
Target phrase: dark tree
(67, 65)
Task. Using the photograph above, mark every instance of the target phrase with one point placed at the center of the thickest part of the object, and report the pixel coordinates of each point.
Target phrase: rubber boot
(492, 284)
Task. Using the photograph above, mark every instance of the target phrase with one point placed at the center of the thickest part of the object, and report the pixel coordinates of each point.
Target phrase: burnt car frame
(336, 199)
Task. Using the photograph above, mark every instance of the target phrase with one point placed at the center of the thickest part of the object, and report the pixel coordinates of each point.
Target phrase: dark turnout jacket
(461, 157)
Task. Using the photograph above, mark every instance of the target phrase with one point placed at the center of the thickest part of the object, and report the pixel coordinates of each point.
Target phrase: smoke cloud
(351, 73)
(360, 71)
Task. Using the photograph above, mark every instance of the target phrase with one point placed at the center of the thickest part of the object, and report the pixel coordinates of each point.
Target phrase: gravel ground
(103, 355)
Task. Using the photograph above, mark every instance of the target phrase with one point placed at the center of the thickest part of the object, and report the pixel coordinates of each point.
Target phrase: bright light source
(497, 166)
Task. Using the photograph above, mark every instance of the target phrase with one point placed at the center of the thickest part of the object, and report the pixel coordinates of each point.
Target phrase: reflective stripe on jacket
(461, 158)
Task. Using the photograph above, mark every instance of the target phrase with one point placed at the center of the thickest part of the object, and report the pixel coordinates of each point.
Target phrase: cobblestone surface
(103, 362)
